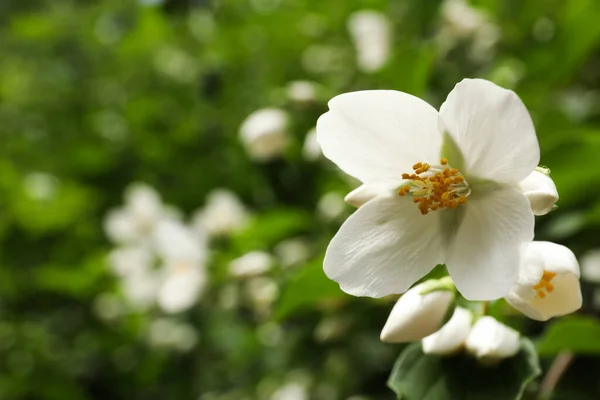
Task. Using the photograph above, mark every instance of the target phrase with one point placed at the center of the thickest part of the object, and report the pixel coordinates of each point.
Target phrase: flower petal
(377, 135)
(383, 248)
(485, 255)
(541, 191)
(493, 129)
(451, 337)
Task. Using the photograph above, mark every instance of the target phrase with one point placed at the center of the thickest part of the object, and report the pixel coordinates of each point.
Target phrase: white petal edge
(377, 135)
(541, 191)
(493, 129)
(383, 248)
(485, 255)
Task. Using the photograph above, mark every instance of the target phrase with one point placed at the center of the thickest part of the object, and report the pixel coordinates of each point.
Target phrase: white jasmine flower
(223, 214)
(371, 34)
(548, 284)
(450, 179)
(181, 288)
(311, 150)
(134, 222)
(176, 242)
(331, 206)
(451, 337)
(302, 91)
(264, 133)
(490, 341)
(541, 191)
(416, 315)
(590, 266)
(251, 264)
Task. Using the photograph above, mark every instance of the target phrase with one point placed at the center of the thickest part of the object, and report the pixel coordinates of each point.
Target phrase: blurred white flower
(331, 327)
(264, 133)
(140, 288)
(41, 186)
(371, 33)
(229, 297)
(416, 315)
(461, 21)
(176, 63)
(311, 149)
(291, 391)
(223, 214)
(262, 291)
(174, 242)
(331, 206)
(590, 266)
(181, 288)
(302, 91)
(490, 341)
(541, 191)
(548, 284)
(130, 260)
(250, 264)
(135, 221)
(292, 252)
(451, 337)
(172, 334)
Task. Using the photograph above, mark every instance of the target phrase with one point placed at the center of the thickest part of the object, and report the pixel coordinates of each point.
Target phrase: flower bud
(264, 133)
(490, 341)
(416, 315)
(548, 283)
(251, 264)
(451, 337)
(539, 188)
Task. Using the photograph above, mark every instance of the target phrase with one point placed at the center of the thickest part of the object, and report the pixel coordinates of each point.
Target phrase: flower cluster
(475, 164)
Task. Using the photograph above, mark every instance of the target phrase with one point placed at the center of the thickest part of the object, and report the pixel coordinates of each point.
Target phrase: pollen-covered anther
(544, 286)
(435, 186)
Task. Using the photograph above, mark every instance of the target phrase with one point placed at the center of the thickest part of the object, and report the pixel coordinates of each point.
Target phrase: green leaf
(419, 376)
(576, 334)
(309, 287)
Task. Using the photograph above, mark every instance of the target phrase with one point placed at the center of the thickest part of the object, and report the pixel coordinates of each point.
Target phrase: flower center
(435, 186)
(544, 286)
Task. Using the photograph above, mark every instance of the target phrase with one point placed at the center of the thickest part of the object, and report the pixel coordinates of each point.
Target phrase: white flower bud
(302, 91)
(251, 264)
(416, 315)
(371, 34)
(541, 191)
(490, 341)
(451, 337)
(364, 193)
(264, 133)
(548, 283)
(590, 266)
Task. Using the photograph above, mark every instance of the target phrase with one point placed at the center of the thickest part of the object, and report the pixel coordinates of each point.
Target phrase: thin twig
(555, 372)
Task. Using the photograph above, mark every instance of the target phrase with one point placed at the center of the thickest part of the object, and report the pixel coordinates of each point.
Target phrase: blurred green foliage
(97, 94)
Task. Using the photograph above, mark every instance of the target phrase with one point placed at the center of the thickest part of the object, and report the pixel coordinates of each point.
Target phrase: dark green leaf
(576, 334)
(418, 376)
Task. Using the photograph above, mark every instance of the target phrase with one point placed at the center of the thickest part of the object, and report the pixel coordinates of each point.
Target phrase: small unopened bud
(490, 341)
(541, 191)
(451, 337)
(417, 314)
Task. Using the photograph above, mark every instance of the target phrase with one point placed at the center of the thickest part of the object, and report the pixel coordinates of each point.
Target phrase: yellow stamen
(544, 286)
(435, 187)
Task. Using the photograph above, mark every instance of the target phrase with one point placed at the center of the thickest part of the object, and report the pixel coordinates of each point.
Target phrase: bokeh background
(160, 239)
